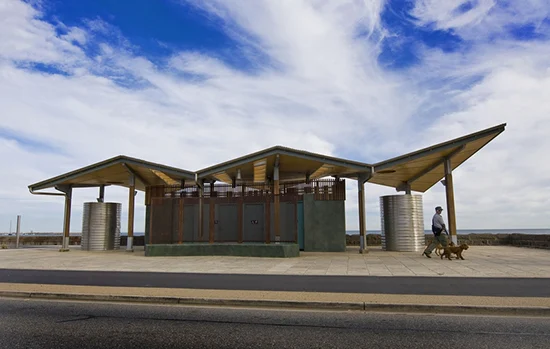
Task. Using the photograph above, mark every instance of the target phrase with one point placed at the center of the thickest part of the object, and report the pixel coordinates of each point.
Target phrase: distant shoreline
(348, 232)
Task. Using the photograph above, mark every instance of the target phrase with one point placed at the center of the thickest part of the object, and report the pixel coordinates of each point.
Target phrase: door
(301, 225)
(253, 223)
(226, 223)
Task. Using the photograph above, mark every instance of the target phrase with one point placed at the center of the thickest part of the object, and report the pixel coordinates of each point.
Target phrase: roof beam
(168, 170)
(167, 179)
(322, 171)
(135, 174)
(494, 131)
(223, 177)
(434, 165)
(89, 185)
(52, 182)
(260, 169)
(278, 150)
(73, 174)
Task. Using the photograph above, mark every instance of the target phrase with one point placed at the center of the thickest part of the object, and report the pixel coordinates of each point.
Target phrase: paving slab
(524, 306)
(481, 261)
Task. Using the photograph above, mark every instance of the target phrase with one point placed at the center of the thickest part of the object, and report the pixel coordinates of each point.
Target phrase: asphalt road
(457, 286)
(55, 324)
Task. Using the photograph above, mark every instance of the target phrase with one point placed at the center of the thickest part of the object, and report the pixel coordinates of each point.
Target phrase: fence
(244, 213)
(323, 189)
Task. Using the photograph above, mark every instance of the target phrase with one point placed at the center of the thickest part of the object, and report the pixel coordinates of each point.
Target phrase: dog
(447, 251)
(439, 248)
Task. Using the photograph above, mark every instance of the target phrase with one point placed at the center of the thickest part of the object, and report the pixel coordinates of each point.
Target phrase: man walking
(438, 226)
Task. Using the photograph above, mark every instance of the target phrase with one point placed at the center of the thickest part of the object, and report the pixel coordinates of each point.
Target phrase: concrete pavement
(481, 261)
(525, 306)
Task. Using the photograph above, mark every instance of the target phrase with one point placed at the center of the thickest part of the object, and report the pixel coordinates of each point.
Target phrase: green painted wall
(324, 225)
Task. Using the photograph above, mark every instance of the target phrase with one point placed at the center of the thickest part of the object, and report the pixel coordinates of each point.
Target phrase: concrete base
(224, 249)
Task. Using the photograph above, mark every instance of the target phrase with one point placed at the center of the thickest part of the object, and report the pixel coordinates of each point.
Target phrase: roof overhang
(418, 170)
(117, 171)
(421, 169)
(293, 165)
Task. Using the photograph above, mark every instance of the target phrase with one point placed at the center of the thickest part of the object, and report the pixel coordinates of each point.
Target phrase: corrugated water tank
(402, 223)
(101, 226)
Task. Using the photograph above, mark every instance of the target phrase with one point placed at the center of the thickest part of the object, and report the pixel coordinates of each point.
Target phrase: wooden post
(201, 201)
(151, 207)
(240, 205)
(267, 214)
(450, 196)
(180, 221)
(296, 219)
(67, 219)
(276, 205)
(101, 193)
(362, 214)
(131, 209)
(211, 220)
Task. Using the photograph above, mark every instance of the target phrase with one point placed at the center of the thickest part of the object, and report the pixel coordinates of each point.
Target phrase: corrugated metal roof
(420, 169)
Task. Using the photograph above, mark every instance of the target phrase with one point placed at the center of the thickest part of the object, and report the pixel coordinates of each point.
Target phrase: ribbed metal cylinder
(402, 223)
(101, 226)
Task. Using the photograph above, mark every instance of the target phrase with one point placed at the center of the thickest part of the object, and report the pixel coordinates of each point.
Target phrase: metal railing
(323, 190)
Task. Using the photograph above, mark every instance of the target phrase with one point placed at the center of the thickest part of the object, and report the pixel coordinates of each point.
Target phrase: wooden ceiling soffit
(167, 179)
(223, 177)
(134, 173)
(260, 169)
(323, 171)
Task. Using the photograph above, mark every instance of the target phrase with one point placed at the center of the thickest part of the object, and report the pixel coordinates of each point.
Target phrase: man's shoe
(427, 255)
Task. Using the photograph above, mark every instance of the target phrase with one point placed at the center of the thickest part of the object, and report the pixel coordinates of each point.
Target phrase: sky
(191, 83)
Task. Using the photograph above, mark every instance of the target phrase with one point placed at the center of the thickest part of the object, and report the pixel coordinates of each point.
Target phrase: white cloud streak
(316, 85)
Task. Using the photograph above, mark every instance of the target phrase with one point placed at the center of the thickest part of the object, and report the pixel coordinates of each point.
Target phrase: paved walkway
(481, 261)
(369, 298)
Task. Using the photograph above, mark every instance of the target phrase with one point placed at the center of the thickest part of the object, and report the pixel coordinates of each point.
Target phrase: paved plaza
(481, 261)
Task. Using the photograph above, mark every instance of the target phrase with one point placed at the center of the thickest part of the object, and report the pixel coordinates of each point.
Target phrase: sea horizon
(348, 232)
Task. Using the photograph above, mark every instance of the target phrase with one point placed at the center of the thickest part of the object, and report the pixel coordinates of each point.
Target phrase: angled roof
(424, 168)
(293, 165)
(116, 171)
(420, 169)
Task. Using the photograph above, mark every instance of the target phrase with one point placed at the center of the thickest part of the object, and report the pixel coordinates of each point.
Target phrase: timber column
(450, 196)
(363, 177)
(131, 209)
(276, 202)
(66, 218)
(201, 197)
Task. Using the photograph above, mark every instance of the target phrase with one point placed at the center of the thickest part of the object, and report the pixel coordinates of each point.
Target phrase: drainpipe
(67, 214)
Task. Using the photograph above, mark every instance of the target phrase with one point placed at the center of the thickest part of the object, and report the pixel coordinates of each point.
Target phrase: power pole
(18, 231)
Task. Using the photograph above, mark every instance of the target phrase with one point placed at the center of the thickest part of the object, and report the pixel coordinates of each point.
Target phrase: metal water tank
(402, 223)
(101, 226)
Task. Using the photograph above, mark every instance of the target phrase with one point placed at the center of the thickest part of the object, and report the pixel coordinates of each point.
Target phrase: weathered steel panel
(402, 223)
(254, 222)
(226, 223)
(101, 226)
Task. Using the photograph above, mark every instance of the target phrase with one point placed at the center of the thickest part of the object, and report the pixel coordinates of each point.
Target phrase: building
(274, 202)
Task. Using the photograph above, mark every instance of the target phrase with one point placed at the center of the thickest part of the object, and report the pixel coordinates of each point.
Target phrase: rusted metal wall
(241, 214)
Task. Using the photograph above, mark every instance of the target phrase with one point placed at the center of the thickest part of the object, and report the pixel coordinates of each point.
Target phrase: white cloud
(480, 19)
(448, 14)
(315, 85)
(25, 37)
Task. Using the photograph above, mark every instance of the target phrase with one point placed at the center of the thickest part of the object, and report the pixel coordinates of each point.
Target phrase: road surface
(452, 286)
(57, 324)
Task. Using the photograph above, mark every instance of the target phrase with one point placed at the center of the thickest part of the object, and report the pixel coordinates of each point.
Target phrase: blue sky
(191, 83)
